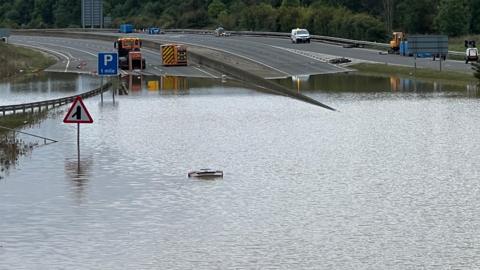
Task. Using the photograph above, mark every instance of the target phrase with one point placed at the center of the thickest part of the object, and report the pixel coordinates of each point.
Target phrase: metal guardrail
(45, 139)
(286, 35)
(50, 103)
(240, 33)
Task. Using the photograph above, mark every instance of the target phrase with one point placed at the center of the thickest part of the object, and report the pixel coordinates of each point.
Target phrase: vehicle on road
(129, 54)
(174, 55)
(471, 55)
(154, 31)
(220, 32)
(397, 39)
(126, 28)
(300, 36)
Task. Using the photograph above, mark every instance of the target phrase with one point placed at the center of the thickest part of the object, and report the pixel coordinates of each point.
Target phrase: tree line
(357, 19)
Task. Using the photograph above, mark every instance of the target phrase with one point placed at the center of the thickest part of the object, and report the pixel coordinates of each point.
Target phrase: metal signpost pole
(441, 62)
(101, 89)
(78, 144)
(91, 17)
(78, 114)
(113, 96)
(440, 53)
(415, 64)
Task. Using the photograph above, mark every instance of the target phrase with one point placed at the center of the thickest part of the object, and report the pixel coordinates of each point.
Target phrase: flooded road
(44, 86)
(389, 182)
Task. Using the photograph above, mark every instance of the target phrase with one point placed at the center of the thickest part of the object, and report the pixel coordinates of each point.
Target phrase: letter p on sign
(107, 59)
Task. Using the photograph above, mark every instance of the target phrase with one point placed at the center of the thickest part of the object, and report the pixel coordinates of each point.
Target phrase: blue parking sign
(108, 64)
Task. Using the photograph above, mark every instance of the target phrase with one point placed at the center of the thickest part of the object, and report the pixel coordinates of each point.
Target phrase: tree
(415, 16)
(475, 17)
(67, 13)
(290, 3)
(288, 18)
(453, 17)
(388, 6)
(215, 8)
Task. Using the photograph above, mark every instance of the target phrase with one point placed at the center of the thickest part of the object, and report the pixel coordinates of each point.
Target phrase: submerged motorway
(279, 55)
(390, 182)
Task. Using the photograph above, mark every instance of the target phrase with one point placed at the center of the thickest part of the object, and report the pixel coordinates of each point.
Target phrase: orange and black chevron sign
(168, 55)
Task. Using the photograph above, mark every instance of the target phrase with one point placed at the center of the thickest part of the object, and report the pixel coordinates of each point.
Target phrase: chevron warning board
(174, 55)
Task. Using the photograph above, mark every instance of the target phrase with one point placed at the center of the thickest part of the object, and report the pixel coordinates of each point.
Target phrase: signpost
(4, 34)
(78, 114)
(107, 66)
(92, 13)
(434, 44)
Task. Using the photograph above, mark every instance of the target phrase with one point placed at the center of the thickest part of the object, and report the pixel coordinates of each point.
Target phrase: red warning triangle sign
(78, 113)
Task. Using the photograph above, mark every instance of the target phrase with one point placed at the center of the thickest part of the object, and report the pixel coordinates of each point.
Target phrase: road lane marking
(225, 51)
(61, 46)
(321, 57)
(208, 73)
(52, 51)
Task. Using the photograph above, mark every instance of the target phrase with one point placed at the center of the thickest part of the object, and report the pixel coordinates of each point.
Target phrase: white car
(471, 55)
(300, 35)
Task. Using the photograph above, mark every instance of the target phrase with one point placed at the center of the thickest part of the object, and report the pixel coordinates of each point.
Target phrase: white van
(471, 54)
(300, 35)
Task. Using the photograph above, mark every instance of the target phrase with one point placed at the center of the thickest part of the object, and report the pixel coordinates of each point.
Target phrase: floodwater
(388, 182)
(44, 86)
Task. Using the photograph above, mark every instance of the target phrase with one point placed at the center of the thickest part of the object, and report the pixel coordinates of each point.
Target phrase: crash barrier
(348, 43)
(45, 139)
(46, 104)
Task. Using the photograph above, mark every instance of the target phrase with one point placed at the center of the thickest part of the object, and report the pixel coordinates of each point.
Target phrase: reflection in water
(167, 85)
(172, 83)
(473, 90)
(390, 181)
(78, 174)
(362, 83)
(11, 148)
(298, 80)
(13, 144)
(44, 86)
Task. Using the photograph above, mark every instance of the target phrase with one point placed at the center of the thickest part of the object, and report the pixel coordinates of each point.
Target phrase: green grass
(17, 60)
(458, 43)
(423, 74)
(18, 120)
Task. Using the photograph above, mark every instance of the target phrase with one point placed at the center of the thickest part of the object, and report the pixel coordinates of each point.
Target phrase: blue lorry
(126, 28)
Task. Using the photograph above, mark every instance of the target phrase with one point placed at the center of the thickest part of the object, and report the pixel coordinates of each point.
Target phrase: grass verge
(422, 74)
(18, 120)
(458, 43)
(17, 60)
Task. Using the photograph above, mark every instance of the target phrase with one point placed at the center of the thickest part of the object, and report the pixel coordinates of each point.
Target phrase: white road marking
(52, 51)
(324, 58)
(208, 73)
(75, 49)
(225, 51)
